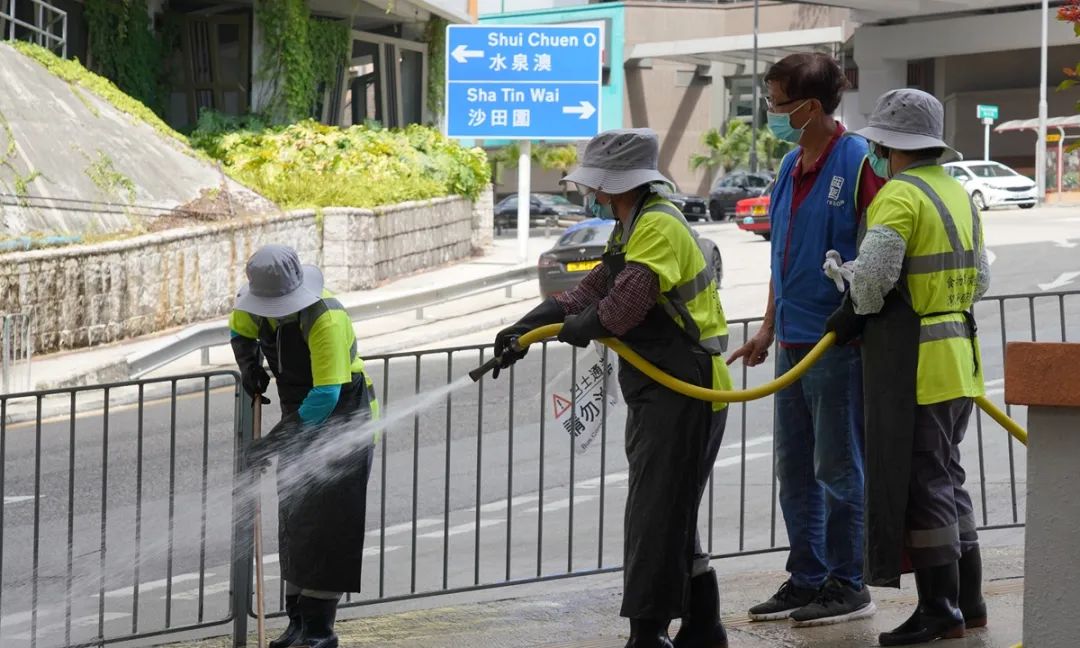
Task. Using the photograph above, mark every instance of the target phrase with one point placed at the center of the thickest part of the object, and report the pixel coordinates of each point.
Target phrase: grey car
(580, 249)
(732, 188)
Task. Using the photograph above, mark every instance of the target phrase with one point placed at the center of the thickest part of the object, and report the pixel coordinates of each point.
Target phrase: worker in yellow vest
(656, 292)
(920, 268)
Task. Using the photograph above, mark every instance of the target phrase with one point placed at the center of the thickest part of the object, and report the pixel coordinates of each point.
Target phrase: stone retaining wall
(92, 294)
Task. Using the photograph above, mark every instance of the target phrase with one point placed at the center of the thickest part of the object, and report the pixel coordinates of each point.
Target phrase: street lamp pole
(756, 90)
(1040, 151)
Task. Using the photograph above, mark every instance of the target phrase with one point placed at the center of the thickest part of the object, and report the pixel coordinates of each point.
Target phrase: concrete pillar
(1044, 377)
(877, 75)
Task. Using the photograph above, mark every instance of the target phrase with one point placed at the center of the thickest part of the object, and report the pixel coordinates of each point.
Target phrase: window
(386, 81)
(587, 235)
(210, 69)
(758, 182)
(992, 171)
(732, 180)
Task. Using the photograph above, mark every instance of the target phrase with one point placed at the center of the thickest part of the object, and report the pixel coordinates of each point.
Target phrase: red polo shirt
(869, 183)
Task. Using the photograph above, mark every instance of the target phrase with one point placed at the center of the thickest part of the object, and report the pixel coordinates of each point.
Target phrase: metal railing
(48, 29)
(203, 337)
(133, 518)
(16, 351)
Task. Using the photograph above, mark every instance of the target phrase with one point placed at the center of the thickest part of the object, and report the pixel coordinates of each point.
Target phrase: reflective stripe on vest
(679, 296)
(959, 258)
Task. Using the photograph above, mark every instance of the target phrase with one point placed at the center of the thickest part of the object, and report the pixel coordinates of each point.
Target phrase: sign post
(987, 114)
(523, 82)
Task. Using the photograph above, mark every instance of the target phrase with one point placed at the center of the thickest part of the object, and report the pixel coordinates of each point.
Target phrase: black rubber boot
(318, 616)
(972, 604)
(702, 628)
(291, 635)
(649, 633)
(937, 616)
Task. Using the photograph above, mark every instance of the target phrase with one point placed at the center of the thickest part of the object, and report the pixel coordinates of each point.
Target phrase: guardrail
(202, 337)
(134, 520)
(48, 20)
(16, 351)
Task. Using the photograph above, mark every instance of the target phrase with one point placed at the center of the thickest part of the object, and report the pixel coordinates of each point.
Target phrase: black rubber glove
(253, 378)
(583, 328)
(845, 323)
(261, 450)
(548, 312)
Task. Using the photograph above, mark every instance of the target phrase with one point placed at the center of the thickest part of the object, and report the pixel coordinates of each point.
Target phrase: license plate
(693, 209)
(749, 220)
(581, 266)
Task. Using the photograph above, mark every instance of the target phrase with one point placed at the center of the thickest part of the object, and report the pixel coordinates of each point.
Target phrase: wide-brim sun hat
(907, 120)
(278, 284)
(617, 161)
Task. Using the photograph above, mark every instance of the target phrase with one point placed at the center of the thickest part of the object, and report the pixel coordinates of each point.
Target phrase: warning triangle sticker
(561, 405)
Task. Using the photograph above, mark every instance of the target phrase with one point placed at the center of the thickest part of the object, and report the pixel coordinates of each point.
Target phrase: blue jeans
(817, 437)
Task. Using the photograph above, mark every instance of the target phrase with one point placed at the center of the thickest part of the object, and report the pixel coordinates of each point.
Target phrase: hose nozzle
(489, 366)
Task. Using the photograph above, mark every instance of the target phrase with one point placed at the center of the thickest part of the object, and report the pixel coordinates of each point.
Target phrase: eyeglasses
(771, 106)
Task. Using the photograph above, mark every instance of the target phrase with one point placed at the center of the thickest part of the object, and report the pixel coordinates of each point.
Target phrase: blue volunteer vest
(826, 220)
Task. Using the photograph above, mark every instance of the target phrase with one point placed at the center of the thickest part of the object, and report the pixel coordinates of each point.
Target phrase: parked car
(752, 214)
(542, 207)
(580, 248)
(991, 184)
(732, 188)
(694, 208)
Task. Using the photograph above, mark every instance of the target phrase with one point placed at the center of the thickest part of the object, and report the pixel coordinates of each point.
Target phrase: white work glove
(837, 270)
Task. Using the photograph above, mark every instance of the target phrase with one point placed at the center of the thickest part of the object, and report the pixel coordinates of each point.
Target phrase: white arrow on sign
(1064, 279)
(584, 110)
(462, 53)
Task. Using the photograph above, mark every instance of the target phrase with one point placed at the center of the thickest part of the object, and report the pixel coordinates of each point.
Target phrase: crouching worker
(655, 292)
(921, 266)
(307, 338)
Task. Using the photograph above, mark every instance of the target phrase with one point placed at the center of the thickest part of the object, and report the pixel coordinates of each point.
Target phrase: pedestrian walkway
(583, 612)
(105, 363)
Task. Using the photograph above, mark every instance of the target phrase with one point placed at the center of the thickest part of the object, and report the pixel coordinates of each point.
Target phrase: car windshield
(590, 235)
(992, 171)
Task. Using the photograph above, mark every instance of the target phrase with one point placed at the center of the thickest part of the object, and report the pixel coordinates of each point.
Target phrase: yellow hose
(743, 395)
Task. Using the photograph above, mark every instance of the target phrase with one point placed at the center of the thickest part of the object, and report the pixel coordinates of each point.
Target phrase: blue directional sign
(523, 82)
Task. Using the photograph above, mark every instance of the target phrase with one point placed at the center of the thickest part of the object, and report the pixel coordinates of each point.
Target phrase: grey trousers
(716, 436)
(940, 517)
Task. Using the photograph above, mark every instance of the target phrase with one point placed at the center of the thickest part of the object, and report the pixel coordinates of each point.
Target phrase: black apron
(321, 521)
(666, 436)
(890, 360)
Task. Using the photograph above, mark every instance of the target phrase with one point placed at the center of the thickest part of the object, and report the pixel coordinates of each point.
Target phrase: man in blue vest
(820, 195)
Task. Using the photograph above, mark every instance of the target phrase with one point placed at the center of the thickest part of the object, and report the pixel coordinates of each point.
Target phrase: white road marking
(559, 505)
(153, 585)
(610, 480)
(734, 461)
(193, 594)
(500, 505)
(81, 622)
(1063, 279)
(749, 443)
(406, 526)
(15, 499)
(1065, 243)
(461, 528)
(273, 559)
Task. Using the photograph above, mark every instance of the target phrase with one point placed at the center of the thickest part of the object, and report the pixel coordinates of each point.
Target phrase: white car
(991, 184)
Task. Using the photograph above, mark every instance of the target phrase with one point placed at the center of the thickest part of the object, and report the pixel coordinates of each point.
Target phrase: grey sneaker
(786, 600)
(836, 603)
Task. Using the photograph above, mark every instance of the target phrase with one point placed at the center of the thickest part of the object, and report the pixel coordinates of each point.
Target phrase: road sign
(533, 82)
(987, 111)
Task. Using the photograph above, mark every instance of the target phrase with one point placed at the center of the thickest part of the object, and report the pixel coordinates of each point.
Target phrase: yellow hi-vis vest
(941, 225)
(660, 238)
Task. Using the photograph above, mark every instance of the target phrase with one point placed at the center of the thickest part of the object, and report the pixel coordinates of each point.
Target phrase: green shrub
(309, 164)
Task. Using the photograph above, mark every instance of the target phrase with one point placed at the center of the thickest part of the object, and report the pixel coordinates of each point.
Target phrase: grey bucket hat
(907, 120)
(617, 161)
(278, 285)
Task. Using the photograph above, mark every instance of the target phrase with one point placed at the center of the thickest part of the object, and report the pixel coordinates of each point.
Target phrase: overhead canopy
(872, 10)
(772, 46)
(1072, 121)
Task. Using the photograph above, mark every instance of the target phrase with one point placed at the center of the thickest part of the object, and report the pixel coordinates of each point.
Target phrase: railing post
(1043, 376)
(243, 520)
